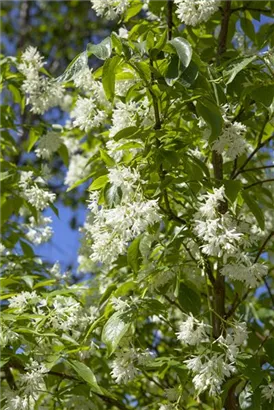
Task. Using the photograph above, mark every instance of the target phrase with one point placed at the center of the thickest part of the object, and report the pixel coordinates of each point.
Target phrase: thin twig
(259, 183)
(257, 168)
(259, 146)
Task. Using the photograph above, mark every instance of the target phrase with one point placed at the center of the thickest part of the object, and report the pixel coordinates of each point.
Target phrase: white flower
(7, 335)
(250, 274)
(231, 141)
(72, 144)
(162, 278)
(124, 178)
(25, 179)
(30, 59)
(84, 79)
(17, 402)
(55, 271)
(123, 368)
(86, 114)
(219, 235)
(193, 332)
(33, 379)
(77, 170)
(38, 197)
(48, 144)
(172, 394)
(114, 228)
(211, 372)
(126, 115)
(123, 32)
(209, 207)
(110, 8)
(268, 392)
(23, 300)
(42, 92)
(39, 231)
(193, 12)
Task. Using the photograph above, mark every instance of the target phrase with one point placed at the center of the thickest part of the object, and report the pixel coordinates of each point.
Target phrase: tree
(169, 142)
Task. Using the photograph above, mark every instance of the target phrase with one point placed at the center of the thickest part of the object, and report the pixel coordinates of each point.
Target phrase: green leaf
(269, 348)
(113, 331)
(232, 189)
(27, 249)
(126, 132)
(86, 374)
(189, 299)
(102, 50)
(108, 77)
(77, 183)
(237, 68)
(6, 210)
(106, 158)
(253, 371)
(77, 64)
(264, 94)
(64, 154)
(210, 112)
(33, 137)
(256, 400)
(172, 73)
(133, 254)
(184, 50)
(254, 208)
(155, 6)
(132, 11)
(110, 289)
(98, 183)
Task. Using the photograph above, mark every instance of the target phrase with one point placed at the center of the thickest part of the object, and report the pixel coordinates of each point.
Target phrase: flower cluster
(86, 114)
(210, 372)
(42, 92)
(218, 232)
(268, 392)
(78, 169)
(245, 271)
(39, 231)
(110, 8)
(192, 331)
(36, 196)
(194, 12)
(48, 144)
(112, 229)
(232, 140)
(124, 366)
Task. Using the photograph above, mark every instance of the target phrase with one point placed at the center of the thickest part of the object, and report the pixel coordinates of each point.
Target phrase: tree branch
(259, 182)
(266, 11)
(257, 168)
(217, 162)
(169, 18)
(259, 146)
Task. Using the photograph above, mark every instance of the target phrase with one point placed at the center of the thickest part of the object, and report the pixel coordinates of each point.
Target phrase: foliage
(168, 140)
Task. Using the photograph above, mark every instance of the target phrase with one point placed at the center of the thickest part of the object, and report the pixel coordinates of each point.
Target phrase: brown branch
(9, 377)
(217, 162)
(269, 292)
(263, 246)
(259, 182)
(259, 146)
(224, 30)
(267, 11)
(257, 168)
(236, 304)
(169, 18)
